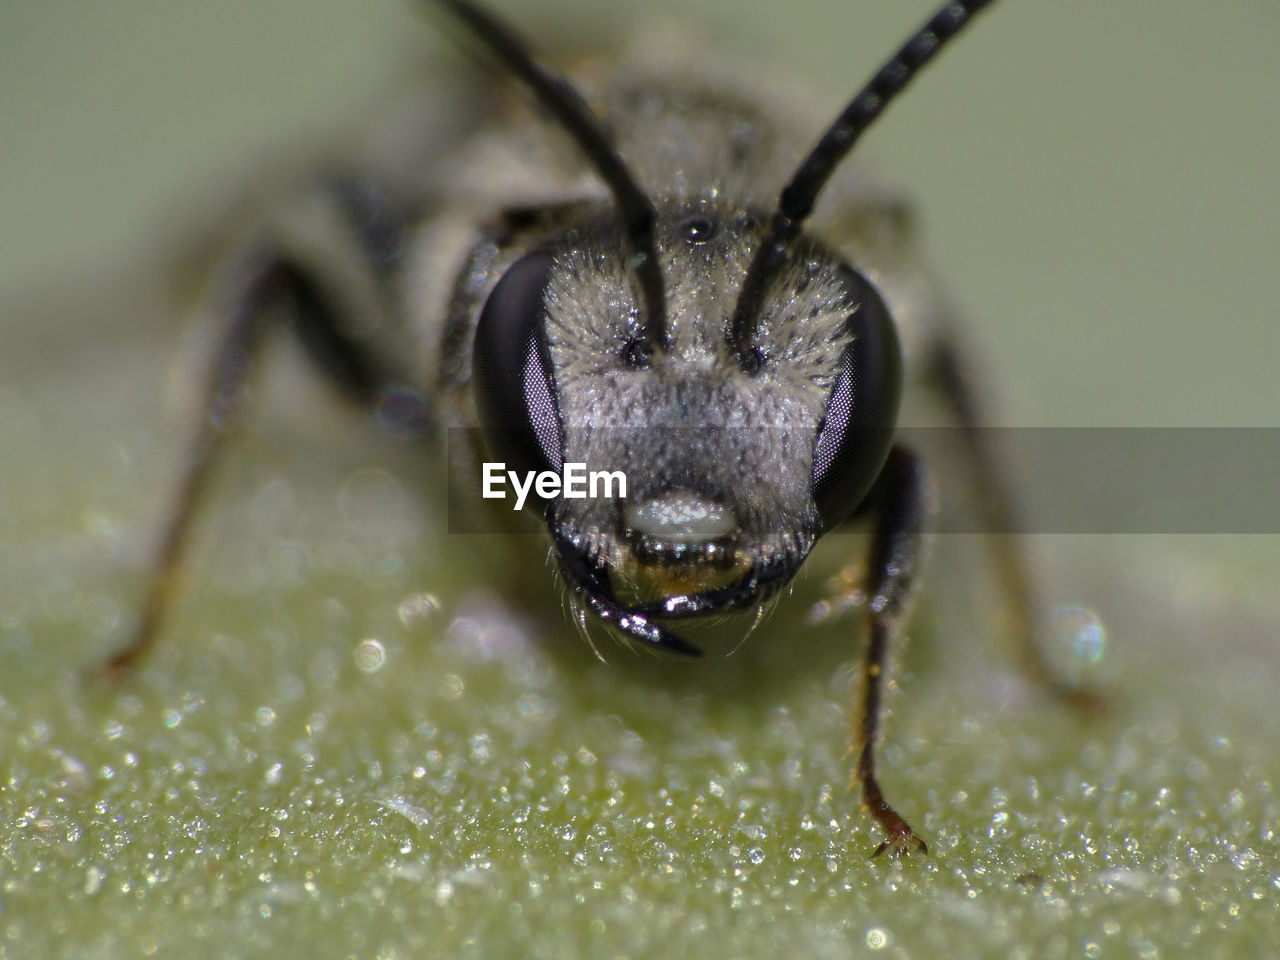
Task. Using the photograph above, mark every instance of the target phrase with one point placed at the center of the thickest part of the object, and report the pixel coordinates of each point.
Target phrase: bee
(633, 286)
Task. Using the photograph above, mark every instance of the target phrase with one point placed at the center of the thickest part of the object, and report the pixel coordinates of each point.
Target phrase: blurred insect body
(679, 327)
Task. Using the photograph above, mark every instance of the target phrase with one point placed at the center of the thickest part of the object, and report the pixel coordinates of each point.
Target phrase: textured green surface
(489, 789)
(492, 790)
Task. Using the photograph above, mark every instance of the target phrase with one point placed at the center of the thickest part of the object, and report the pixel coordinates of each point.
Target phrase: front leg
(900, 501)
(261, 286)
(997, 511)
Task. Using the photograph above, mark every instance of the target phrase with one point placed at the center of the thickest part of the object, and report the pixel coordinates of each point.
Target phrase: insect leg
(901, 504)
(255, 289)
(997, 512)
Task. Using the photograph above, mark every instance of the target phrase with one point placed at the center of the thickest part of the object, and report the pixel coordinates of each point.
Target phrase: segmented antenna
(797, 199)
(563, 102)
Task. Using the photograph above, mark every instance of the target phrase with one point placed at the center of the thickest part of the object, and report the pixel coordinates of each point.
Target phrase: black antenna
(563, 102)
(797, 199)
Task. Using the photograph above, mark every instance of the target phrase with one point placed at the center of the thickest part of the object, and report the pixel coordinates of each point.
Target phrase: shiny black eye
(857, 429)
(514, 381)
(697, 229)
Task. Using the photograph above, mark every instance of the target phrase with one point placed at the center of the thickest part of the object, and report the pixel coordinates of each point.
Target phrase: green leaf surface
(359, 737)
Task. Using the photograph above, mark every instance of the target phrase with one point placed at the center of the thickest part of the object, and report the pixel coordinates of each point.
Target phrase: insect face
(732, 473)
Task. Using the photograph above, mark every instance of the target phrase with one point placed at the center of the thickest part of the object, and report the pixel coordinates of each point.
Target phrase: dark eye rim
(513, 378)
(862, 407)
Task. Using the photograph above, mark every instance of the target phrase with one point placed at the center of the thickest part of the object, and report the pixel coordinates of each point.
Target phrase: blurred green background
(1098, 178)
(1097, 188)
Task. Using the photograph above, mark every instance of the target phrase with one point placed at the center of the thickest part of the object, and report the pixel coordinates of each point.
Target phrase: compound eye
(514, 381)
(856, 432)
